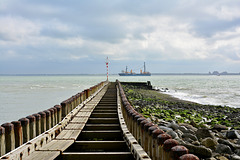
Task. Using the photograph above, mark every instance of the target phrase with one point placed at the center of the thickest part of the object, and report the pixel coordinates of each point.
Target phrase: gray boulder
(235, 157)
(222, 148)
(172, 134)
(237, 152)
(180, 133)
(183, 129)
(233, 134)
(204, 133)
(165, 129)
(209, 143)
(219, 127)
(226, 142)
(199, 151)
(189, 135)
(173, 125)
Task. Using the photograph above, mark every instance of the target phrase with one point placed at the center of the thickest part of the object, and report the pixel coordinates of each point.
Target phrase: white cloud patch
(17, 28)
(222, 12)
(58, 30)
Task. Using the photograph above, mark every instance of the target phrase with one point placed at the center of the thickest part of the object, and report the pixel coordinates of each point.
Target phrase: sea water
(21, 96)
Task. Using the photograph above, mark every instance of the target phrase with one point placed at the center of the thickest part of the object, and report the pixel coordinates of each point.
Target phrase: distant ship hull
(129, 74)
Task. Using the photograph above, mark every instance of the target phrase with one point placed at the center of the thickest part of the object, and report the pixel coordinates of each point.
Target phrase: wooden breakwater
(30, 133)
(158, 144)
(76, 112)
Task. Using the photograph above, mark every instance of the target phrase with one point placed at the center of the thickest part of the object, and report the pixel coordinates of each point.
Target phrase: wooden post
(139, 135)
(86, 93)
(64, 109)
(52, 116)
(38, 123)
(167, 146)
(9, 136)
(2, 141)
(136, 126)
(32, 126)
(59, 113)
(43, 122)
(150, 139)
(146, 135)
(48, 119)
(161, 138)
(55, 115)
(25, 128)
(178, 151)
(18, 133)
(155, 150)
(142, 133)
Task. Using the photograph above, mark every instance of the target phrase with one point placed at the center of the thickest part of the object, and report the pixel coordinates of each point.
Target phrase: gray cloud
(77, 31)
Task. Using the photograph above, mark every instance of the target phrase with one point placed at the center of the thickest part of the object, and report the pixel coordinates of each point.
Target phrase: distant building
(215, 73)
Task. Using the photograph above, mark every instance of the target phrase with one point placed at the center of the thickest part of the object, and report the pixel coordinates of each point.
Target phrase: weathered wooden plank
(83, 114)
(77, 126)
(69, 134)
(57, 145)
(43, 155)
(80, 119)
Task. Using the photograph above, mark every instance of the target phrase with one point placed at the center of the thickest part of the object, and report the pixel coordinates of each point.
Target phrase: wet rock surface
(210, 132)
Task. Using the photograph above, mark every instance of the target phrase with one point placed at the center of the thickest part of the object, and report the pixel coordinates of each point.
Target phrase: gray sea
(21, 96)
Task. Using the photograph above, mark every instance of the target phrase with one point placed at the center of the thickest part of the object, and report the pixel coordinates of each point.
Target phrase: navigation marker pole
(107, 67)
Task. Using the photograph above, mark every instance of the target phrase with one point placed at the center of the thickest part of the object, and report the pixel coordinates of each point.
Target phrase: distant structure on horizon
(131, 73)
(222, 73)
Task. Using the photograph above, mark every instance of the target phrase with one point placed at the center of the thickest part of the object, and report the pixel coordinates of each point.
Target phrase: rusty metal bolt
(139, 120)
(151, 129)
(147, 125)
(188, 157)
(162, 138)
(156, 132)
(168, 144)
(178, 151)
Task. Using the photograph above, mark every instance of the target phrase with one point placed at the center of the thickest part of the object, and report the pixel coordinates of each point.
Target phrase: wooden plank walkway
(94, 132)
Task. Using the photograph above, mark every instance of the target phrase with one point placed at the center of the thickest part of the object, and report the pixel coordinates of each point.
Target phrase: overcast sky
(76, 36)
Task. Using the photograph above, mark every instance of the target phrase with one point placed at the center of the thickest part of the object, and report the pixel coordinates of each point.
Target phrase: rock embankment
(210, 132)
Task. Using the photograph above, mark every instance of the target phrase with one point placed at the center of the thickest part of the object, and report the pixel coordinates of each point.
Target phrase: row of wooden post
(158, 145)
(16, 133)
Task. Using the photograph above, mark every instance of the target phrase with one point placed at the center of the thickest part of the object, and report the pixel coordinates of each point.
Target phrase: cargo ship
(131, 73)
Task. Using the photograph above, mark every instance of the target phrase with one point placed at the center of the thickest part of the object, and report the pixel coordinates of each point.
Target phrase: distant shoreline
(187, 74)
